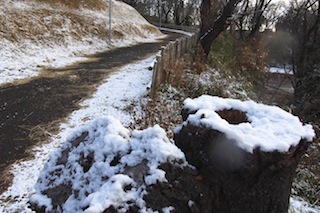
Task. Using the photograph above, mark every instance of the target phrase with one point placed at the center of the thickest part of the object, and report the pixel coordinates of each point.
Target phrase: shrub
(242, 59)
(222, 54)
(251, 60)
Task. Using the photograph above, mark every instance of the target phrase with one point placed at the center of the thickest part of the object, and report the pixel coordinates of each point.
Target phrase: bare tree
(257, 19)
(302, 21)
(180, 12)
(215, 17)
(254, 16)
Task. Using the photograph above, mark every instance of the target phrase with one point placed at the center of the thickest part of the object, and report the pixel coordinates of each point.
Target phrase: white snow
(281, 70)
(42, 200)
(298, 205)
(167, 209)
(190, 203)
(268, 127)
(176, 31)
(112, 97)
(102, 185)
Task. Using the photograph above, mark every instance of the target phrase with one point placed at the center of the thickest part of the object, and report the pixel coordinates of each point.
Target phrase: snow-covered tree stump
(238, 157)
(246, 152)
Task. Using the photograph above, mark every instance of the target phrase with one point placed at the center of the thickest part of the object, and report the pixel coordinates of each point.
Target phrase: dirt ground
(31, 110)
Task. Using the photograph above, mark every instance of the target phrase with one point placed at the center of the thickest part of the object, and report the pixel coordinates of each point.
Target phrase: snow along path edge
(121, 88)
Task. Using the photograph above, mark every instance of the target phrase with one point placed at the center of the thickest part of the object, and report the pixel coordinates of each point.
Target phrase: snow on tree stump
(246, 152)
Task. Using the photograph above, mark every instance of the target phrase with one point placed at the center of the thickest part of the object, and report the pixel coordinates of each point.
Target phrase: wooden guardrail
(168, 56)
(191, 29)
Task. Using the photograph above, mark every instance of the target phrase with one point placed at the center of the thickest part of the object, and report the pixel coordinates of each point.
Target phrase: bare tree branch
(211, 28)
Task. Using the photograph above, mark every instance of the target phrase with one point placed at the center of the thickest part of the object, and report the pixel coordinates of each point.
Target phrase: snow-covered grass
(34, 35)
(281, 70)
(298, 205)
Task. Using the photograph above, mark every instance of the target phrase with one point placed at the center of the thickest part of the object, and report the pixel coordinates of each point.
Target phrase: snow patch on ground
(138, 156)
(286, 70)
(111, 98)
(298, 205)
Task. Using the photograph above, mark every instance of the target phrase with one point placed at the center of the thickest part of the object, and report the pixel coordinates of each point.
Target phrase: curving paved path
(29, 108)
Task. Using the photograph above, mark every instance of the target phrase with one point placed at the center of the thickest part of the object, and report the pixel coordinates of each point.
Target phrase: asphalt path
(30, 110)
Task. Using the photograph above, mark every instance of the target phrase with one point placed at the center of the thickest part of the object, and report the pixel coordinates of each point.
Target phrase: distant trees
(302, 21)
(246, 17)
(254, 16)
(178, 12)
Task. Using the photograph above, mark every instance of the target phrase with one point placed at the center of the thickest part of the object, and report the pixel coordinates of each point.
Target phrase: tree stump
(242, 178)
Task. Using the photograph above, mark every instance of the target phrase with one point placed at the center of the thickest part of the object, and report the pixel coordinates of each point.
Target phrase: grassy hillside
(63, 21)
(42, 33)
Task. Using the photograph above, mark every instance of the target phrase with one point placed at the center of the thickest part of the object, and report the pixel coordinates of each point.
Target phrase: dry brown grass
(199, 64)
(41, 134)
(150, 29)
(46, 26)
(75, 4)
(61, 23)
(163, 110)
(6, 179)
(251, 59)
(176, 73)
(43, 27)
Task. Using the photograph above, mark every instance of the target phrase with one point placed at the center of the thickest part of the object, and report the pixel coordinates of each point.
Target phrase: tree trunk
(211, 27)
(238, 180)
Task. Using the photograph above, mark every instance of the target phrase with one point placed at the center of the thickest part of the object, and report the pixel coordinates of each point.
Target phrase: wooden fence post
(168, 56)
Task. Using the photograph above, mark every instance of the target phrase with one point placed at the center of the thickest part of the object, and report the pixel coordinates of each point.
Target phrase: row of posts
(168, 56)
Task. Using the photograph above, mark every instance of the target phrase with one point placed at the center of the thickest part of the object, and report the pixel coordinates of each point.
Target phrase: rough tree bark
(238, 180)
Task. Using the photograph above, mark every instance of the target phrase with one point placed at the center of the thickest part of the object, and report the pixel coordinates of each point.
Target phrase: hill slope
(34, 34)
